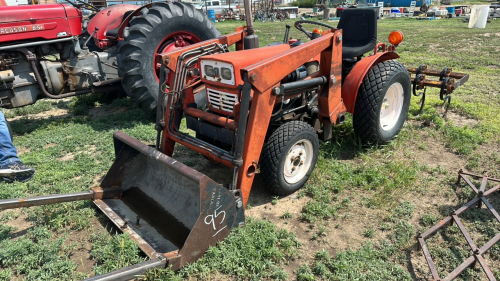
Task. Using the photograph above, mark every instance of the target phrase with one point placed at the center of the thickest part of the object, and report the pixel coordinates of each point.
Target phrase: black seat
(359, 31)
(113, 33)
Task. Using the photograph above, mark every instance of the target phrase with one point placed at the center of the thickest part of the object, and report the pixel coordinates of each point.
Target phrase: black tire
(276, 151)
(146, 33)
(367, 111)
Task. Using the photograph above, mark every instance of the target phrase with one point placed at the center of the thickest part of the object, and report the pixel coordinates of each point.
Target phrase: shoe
(16, 171)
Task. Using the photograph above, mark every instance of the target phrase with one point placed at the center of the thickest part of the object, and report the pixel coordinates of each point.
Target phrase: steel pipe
(44, 200)
(31, 44)
(130, 272)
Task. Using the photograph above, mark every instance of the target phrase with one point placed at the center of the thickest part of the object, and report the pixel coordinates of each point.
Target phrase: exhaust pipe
(251, 41)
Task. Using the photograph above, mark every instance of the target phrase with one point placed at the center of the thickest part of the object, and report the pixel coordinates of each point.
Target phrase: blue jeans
(8, 152)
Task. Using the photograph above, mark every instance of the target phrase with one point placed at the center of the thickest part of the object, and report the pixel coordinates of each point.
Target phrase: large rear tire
(289, 157)
(159, 28)
(382, 103)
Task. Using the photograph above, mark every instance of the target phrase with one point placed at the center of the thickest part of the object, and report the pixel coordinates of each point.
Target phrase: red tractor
(50, 51)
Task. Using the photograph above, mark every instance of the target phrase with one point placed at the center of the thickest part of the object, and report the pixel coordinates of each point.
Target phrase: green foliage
(5, 275)
(367, 263)
(253, 252)
(304, 3)
(38, 107)
(369, 233)
(403, 234)
(429, 220)
(114, 252)
(37, 256)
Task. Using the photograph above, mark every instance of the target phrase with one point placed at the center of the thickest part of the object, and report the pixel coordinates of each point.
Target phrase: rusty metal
(448, 82)
(224, 122)
(477, 253)
(44, 200)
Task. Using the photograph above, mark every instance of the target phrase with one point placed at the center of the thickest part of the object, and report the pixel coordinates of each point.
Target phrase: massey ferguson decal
(23, 28)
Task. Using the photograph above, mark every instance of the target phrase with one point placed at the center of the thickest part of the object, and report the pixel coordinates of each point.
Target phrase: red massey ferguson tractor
(50, 51)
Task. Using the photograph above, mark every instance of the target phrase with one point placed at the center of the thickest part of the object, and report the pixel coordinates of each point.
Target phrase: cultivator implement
(448, 82)
(172, 212)
(477, 251)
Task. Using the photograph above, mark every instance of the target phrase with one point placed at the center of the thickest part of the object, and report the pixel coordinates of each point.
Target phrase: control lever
(90, 37)
(287, 33)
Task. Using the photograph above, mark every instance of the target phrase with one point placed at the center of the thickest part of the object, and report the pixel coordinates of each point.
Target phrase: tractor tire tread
(271, 153)
(365, 115)
(138, 84)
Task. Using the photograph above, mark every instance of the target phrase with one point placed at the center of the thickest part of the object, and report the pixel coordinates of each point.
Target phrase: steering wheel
(298, 25)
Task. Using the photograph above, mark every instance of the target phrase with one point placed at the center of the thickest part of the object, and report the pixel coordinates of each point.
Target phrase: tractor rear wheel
(289, 157)
(382, 103)
(163, 27)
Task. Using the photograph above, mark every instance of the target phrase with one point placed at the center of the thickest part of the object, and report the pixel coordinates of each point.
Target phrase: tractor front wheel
(382, 103)
(289, 157)
(161, 28)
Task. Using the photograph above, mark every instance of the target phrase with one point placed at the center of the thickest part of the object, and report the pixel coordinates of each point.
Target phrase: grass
(375, 199)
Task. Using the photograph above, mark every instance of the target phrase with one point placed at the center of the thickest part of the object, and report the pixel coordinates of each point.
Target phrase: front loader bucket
(172, 212)
(168, 208)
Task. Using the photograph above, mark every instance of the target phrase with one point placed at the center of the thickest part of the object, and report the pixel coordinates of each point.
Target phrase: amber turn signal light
(396, 37)
(318, 31)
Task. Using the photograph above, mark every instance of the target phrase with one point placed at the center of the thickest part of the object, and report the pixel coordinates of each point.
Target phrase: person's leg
(11, 167)
(8, 152)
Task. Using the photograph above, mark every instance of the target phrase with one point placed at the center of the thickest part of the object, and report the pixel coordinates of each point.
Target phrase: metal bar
(435, 228)
(485, 267)
(480, 176)
(492, 190)
(455, 273)
(483, 185)
(303, 84)
(490, 243)
(448, 219)
(465, 233)
(31, 44)
(470, 184)
(437, 73)
(130, 272)
(242, 125)
(212, 118)
(44, 200)
(490, 207)
(428, 258)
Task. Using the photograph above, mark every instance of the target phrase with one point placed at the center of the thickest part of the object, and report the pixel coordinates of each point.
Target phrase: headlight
(209, 71)
(226, 73)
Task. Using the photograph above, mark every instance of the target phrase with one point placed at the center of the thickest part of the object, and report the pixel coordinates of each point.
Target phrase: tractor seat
(359, 31)
(113, 33)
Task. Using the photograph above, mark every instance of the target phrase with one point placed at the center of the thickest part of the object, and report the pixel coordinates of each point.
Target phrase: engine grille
(221, 100)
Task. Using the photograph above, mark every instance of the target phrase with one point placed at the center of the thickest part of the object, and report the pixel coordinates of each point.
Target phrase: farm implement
(263, 107)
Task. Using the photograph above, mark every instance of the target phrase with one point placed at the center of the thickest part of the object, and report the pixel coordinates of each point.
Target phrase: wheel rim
(392, 105)
(171, 42)
(298, 161)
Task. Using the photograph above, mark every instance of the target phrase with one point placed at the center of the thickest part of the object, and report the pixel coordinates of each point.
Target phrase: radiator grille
(221, 100)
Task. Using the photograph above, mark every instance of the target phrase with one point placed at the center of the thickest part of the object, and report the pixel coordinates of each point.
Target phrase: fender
(129, 17)
(105, 17)
(354, 79)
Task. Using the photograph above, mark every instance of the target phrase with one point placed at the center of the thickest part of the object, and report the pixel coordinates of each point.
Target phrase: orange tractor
(266, 107)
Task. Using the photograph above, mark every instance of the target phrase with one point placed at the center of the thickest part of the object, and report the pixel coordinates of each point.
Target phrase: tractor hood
(12, 14)
(49, 21)
(235, 61)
